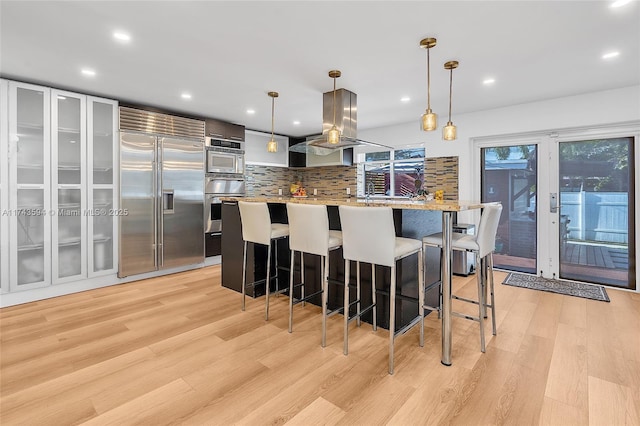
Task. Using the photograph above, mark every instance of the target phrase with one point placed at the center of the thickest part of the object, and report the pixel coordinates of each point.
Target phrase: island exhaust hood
(346, 120)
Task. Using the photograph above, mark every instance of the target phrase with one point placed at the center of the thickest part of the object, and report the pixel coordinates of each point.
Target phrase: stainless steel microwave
(225, 160)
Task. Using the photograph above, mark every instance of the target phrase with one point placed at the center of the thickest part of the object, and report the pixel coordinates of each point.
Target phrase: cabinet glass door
(32, 263)
(102, 156)
(4, 178)
(31, 133)
(68, 117)
(102, 142)
(102, 230)
(29, 147)
(69, 142)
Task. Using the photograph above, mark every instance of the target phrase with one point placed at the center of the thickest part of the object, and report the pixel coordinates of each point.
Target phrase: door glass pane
(509, 175)
(30, 233)
(30, 134)
(69, 142)
(70, 219)
(102, 143)
(102, 229)
(597, 211)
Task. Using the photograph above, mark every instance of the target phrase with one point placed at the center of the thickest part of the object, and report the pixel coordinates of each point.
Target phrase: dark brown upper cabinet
(223, 130)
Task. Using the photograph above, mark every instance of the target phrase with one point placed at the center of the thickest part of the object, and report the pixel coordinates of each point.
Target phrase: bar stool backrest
(256, 222)
(368, 234)
(308, 228)
(488, 228)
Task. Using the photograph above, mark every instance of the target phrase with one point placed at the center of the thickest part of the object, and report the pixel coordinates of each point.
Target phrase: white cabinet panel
(102, 156)
(255, 147)
(29, 193)
(68, 186)
(4, 187)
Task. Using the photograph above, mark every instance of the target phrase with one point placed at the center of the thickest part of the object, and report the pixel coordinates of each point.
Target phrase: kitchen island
(412, 219)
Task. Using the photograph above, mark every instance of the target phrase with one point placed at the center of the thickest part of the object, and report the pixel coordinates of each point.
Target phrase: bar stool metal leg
(480, 306)
(358, 320)
(392, 316)
(244, 274)
(267, 283)
(493, 300)
(373, 297)
(325, 299)
(293, 254)
(421, 294)
(347, 272)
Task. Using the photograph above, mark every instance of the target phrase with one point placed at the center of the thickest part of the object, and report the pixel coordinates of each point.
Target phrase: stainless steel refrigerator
(161, 200)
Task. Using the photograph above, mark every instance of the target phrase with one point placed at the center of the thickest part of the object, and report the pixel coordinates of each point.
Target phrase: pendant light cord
(450, 90)
(334, 102)
(428, 82)
(273, 103)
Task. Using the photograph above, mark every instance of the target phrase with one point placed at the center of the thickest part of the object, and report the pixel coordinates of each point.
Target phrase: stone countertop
(396, 203)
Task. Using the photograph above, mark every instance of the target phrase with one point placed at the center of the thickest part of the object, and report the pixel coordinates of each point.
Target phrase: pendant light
(334, 134)
(429, 118)
(272, 145)
(449, 131)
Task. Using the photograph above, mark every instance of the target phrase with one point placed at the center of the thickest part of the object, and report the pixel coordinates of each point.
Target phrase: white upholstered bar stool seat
(369, 236)
(309, 233)
(258, 229)
(482, 245)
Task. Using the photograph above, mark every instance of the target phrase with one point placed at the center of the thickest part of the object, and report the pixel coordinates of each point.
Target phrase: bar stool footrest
(465, 316)
(408, 327)
(306, 298)
(362, 312)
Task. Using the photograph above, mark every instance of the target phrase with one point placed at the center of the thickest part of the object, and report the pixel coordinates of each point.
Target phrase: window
(398, 173)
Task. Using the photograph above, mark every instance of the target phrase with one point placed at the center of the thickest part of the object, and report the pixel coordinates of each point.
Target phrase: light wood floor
(178, 350)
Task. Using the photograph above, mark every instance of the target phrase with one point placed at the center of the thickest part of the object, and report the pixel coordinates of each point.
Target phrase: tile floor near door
(178, 350)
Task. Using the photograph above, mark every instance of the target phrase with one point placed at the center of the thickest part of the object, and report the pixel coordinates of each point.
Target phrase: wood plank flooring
(178, 350)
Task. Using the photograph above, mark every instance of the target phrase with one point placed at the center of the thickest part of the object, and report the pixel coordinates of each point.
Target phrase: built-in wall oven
(216, 186)
(224, 156)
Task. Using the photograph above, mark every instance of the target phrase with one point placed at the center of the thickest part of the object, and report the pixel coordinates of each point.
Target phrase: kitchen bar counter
(395, 203)
(412, 218)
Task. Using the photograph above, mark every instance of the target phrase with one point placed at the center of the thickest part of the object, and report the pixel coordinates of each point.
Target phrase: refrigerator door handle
(167, 201)
(160, 199)
(155, 208)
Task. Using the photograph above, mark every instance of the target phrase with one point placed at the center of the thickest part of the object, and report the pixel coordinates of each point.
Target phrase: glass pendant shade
(334, 135)
(429, 121)
(272, 145)
(449, 132)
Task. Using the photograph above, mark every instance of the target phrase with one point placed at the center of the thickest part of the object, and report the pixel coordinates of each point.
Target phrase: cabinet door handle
(217, 135)
(236, 138)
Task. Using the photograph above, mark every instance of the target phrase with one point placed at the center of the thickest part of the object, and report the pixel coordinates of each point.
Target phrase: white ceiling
(229, 54)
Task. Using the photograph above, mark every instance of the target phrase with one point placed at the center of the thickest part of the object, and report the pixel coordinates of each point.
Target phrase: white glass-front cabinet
(4, 192)
(59, 193)
(102, 156)
(68, 186)
(29, 180)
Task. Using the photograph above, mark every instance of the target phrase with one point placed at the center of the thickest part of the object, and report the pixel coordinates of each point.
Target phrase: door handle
(553, 202)
(167, 201)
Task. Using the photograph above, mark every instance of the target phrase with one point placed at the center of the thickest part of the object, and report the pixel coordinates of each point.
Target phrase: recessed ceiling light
(186, 96)
(62, 98)
(405, 99)
(488, 81)
(610, 55)
(619, 3)
(296, 123)
(251, 111)
(88, 72)
(122, 37)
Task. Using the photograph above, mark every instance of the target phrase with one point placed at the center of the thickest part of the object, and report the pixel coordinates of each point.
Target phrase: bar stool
(369, 236)
(482, 245)
(258, 229)
(309, 233)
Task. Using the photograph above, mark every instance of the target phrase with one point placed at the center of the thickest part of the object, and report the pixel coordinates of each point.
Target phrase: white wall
(591, 109)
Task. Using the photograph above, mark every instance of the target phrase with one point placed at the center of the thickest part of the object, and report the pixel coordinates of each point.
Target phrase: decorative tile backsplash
(332, 181)
(442, 173)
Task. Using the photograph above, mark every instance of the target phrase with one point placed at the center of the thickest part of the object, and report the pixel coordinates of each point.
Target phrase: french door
(568, 203)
